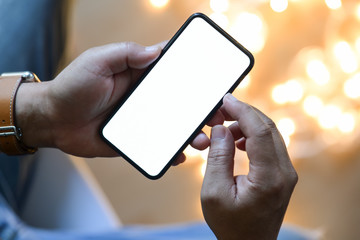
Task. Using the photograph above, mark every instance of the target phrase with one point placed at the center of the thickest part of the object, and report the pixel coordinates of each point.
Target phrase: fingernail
(230, 97)
(218, 132)
(152, 48)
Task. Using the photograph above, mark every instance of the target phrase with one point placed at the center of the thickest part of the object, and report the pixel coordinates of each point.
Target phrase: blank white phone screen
(175, 97)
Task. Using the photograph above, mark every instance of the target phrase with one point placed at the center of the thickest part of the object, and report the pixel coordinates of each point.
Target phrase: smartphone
(176, 95)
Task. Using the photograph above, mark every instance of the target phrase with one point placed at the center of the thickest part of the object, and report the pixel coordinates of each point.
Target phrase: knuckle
(216, 197)
(245, 108)
(270, 189)
(270, 123)
(217, 156)
(293, 178)
(268, 128)
(210, 198)
(128, 45)
(87, 52)
(124, 46)
(277, 192)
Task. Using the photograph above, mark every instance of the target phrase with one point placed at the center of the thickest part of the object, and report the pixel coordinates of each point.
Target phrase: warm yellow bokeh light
(295, 90)
(291, 91)
(249, 29)
(159, 3)
(220, 19)
(191, 152)
(312, 105)
(346, 57)
(358, 11)
(357, 44)
(286, 126)
(279, 94)
(333, 4)
(329, 116)
(219, 6)
(318, 72)
(203, 169)
(204, 154)
(279, 5)
(352, 87)
(346, 123)
(287, 140)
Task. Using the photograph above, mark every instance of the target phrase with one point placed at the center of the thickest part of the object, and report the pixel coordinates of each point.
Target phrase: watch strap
(10, 135)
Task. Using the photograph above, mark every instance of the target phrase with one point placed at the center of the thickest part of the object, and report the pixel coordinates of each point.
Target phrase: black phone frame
(206, 119)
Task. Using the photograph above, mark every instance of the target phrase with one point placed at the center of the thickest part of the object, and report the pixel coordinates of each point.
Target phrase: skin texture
(248, 206)
(66, 113)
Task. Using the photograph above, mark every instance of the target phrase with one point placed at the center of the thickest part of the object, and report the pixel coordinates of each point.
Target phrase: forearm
(32, 113)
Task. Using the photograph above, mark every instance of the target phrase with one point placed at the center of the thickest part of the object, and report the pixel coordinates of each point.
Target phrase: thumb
(220, 164)
(144, 56)
(118, 57)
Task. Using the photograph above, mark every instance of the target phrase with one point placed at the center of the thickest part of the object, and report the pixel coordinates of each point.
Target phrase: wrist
(32, 115)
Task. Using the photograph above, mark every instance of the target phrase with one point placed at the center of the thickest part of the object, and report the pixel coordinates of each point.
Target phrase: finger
(117, 57)
(236, 131)
(146, 58)
(249, 121)
(201, 141)
(226, 116)
(180, 159)
(238, 136)
(220, 164)
(260, 145)
(279, 143)
(276, 134)
(162, 44)
(217, 119)
(241, 144)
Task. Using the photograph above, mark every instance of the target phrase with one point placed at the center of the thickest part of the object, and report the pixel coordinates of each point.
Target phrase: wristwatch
(10, 134)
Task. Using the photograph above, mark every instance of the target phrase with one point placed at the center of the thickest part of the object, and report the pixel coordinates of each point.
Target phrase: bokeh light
(346, 123)
(346, 57)
(312, 105)
(358, 11)
(352, 87)
(316, 75)
(329, 116)
(295, 90)
(286, 126)
(220, 19)
(191, 152)
(204, 155)
(357, 43)
(279, 5)
(291, 91)
(318, 72)
(279, 94)
(254, 27)
(219, 6)
(333, 4)
(159, 3)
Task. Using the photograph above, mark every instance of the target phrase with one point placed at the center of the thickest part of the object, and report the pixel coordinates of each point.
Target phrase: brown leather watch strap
(10, 135)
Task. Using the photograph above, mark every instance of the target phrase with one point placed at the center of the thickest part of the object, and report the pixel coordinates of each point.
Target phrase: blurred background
(306, 77)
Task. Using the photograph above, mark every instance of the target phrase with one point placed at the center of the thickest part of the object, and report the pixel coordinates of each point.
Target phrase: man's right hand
(248, 206)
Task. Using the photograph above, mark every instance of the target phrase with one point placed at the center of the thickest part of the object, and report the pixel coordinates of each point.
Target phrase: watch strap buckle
(10, 131)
